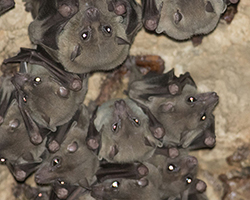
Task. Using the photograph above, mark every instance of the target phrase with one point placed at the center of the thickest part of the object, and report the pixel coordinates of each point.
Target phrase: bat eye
(40, 195)
(171, 167)
(136, 121)
(188, 180)
(115, 127)
(61, 182)
(24, 99)
(203, 117)
(37, 80)
(2, 160)
(107, 30)
(191, 99)
(85, 35)
(56, 161)
(115, 184)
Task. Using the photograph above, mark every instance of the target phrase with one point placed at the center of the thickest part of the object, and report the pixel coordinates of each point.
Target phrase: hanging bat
(184, 113)
(178, 173)
(115, 188)
(182, 19)
(73, 156)
(86, 36)
(41, 98)
(20, 155)
(6, 5)
(121, 132)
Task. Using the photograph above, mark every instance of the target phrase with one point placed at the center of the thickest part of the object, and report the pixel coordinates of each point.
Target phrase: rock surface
(221, 64)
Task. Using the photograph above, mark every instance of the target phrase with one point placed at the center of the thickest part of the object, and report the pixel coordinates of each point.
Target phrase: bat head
(73, 156)
(178, 174)
(183, 19)
(42, 94)
(131, 189)
(93, 39)
(189, 114)
(124, 130)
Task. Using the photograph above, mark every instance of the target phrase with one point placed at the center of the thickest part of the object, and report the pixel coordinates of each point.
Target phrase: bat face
(189, 114)
(20, 155)
(124, 129)
(95, 37)
(45, 97)
(183, 19)
(73, 156)
(178, 174)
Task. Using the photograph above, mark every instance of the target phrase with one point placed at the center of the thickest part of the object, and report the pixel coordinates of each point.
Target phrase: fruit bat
(86, 35)
(182, 19)
(41, 96)
(184, 113)
(177, 172)
(131, 189)
(20, 155)
(73, 156)
(6, 5)
(121, 132)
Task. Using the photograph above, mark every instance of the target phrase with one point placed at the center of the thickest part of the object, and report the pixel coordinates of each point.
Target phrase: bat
(6, 5)
(115, 188)
(40, 91)
(184, 113)
(86, 36)
(73, 155)
(177, 172)
(120, 132)
(183, 19)
(20, 155)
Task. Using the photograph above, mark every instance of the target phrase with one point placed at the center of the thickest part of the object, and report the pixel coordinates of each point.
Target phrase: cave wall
(221, 64)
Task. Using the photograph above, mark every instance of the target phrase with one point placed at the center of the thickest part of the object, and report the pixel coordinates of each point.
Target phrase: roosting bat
(6, 5)
(86, 36)
(122, 132)
(184, 113)
(73, 164)
(20, 155)
(177, 172)
(182, 19)
(44, 101)
(130, 189)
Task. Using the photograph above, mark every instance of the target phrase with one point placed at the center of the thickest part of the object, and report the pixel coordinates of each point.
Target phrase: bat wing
(40, 57)
(164, 85)
(6, 5)
(150, 14)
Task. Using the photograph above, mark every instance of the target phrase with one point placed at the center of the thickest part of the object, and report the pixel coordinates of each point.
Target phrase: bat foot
(173, 152)
(143, 170)
(20, 175)
(173, 89)
(159, 133)
(36, 139)
(201, 186)
(76, 85)
(53, 146)
(150, 24)
(93, 144)
(210, 142)
(62, 193)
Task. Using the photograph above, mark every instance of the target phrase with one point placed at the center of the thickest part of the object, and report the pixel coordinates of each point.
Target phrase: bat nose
(92, 13)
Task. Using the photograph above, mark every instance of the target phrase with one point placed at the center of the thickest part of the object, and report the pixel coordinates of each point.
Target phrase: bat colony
(134, 148)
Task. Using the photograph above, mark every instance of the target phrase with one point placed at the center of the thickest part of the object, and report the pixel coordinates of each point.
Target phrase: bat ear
(177, 17)
(167, 107)
(76, 52)
(209, 7)
(72, 147)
